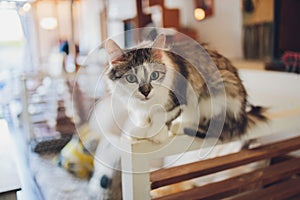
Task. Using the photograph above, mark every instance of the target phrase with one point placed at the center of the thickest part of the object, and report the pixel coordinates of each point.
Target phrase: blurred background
(239, 29)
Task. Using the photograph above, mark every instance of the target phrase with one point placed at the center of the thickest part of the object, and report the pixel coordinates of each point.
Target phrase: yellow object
(77, 155)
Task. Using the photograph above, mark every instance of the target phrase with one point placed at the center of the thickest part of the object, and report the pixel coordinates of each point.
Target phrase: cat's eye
(154, 75)
(131, 78)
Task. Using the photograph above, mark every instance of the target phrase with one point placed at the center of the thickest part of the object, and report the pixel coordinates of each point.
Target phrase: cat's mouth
(144, 99)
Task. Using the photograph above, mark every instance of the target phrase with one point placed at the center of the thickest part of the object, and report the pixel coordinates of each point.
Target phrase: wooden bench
(279, 181)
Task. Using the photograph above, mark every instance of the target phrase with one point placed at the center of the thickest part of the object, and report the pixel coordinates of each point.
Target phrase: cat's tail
(256, 115)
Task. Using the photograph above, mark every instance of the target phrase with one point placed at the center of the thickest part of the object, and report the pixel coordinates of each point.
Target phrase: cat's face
(142, 81)
(137, 74)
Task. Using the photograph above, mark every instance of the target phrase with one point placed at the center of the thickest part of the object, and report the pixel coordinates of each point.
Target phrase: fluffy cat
(163, 91)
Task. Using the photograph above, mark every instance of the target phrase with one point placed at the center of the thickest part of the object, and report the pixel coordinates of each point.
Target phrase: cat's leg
(136, 126)
(161, 136)
(188, 119)
(150, 126)
(155, 133)
(158, 130)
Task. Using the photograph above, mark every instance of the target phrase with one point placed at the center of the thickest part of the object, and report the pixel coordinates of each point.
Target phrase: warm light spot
(199, 14)
(26, 7)
(48, 23)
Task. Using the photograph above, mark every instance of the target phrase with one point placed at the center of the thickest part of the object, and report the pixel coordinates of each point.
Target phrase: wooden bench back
(276, 181)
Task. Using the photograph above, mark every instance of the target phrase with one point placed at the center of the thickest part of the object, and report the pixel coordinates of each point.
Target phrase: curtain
(258, 41)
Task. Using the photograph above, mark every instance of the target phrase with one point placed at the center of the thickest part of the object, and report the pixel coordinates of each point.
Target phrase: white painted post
(135, 174)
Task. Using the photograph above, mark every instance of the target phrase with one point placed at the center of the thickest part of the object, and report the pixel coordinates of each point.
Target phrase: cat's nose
(145, 89)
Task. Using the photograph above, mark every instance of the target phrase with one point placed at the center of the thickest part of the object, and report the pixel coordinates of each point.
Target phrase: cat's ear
(158, 45)
(159, 42)
(113, 50)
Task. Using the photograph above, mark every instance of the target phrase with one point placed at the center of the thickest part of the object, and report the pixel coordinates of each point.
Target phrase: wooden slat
(283, 190)
(188, 171)
(238, 184)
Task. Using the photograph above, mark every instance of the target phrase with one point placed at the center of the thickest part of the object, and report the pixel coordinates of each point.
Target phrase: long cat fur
(191, 95)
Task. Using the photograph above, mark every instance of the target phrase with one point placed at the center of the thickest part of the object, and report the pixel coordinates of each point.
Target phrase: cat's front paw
(177, 128)
(161, 136)
(137, 133)
(136, 129)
